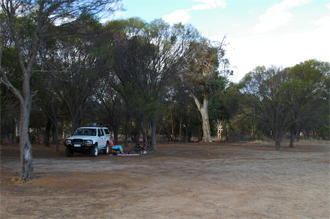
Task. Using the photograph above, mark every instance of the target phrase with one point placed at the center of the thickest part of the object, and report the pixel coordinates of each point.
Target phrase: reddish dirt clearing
(195, 180)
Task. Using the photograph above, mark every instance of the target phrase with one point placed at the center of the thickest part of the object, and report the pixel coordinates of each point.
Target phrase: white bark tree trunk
(180, 128)
(25, 98)
(203, 109)
(27, 171)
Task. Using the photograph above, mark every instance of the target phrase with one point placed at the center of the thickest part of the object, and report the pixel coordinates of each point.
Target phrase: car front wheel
(106, 150)
(69, 152)
(94, 151)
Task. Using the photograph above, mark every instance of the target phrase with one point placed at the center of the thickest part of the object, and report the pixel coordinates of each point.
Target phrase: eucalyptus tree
(312, 119)
(264, 98)
(283, 98)
(145, 58)
(25, 26)
(79, 80)
(205, 75)
(176, 121)
(307, 91)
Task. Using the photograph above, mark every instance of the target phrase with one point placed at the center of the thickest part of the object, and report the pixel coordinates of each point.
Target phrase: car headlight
(67, 141)
(88, 141)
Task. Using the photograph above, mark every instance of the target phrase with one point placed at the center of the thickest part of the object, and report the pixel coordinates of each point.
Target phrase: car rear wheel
(106, 150)
(94, 151)
(69, 152)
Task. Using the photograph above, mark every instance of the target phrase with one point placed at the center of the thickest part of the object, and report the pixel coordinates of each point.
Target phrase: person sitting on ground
(116, 147)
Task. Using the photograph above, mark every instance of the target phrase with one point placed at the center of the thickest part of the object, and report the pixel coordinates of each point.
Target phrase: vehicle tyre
(69, 152)
(107, 149)
(94, 151)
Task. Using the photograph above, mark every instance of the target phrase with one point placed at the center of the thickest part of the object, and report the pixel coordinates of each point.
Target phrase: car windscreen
(85, 132)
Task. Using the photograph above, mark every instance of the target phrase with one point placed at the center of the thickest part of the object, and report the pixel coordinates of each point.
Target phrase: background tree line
(63, 69)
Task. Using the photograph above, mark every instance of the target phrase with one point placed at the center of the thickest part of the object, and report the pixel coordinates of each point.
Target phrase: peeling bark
(27, 171)
(203, 109)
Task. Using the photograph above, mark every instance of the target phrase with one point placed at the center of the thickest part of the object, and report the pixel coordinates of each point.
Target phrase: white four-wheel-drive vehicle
(88, 140)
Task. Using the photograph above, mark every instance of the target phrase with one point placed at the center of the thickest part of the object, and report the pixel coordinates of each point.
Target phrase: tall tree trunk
(25, 99)
(53, 134)
(173, 125)
(15, 139)
(153, 134)
(180, 128)
(277, 144)
(187, 128)
(203, 109)
(291, 136)
(115, 133)
(56, 138)
(227, 131)
(56, 129)
(47, 132)
(73, 126)
(298, 134)
(27, 171)
(144, 133)
(127, 130)
(277, 141)
(75, 123)
(307, 134)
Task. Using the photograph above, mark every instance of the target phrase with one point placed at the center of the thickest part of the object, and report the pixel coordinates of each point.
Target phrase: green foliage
(307, 79)
(143, 58)
(202, 76)
(225, 105)
(293, 97)
(10, 63)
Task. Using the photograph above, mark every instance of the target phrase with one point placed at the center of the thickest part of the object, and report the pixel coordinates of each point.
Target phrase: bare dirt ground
(195, 180)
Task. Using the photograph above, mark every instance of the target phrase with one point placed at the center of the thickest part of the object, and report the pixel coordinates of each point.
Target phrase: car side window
(106, 131)
(100, 132)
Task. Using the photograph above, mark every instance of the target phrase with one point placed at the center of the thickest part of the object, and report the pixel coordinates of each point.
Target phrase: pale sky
(259, 32)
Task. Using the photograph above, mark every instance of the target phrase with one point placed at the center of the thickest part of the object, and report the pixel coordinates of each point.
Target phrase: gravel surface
(196, 180)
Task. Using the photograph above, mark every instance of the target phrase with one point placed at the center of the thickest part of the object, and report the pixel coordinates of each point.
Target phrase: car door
(107, 134)
(102, 139)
